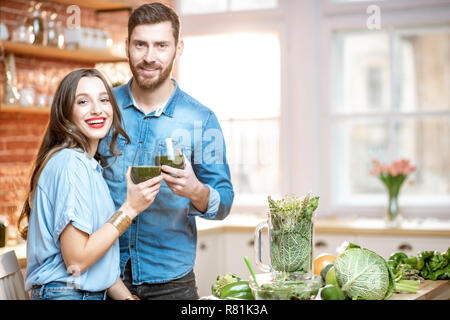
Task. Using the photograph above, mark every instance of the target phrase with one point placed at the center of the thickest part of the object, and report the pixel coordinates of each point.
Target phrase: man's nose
(149, 56)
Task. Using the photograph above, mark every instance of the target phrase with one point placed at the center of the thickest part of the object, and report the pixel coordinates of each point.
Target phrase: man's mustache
(152, 65)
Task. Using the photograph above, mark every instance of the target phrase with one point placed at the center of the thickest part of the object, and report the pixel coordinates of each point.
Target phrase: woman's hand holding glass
(140, 196)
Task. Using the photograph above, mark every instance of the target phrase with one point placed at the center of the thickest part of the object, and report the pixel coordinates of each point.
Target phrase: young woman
(72, 232)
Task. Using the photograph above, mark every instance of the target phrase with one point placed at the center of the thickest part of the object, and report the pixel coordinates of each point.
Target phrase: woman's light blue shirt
(70, 189)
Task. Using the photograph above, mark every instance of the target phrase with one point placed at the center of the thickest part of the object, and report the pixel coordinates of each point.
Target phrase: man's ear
(180, 47)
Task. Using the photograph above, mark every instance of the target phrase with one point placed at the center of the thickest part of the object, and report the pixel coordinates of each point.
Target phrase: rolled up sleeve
(73, 201)
(213, 171)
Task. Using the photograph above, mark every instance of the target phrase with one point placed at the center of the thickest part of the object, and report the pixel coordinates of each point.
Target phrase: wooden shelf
(97, 4)
(4, 107)
(84, 55)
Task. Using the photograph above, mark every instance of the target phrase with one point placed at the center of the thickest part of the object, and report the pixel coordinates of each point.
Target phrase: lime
(332, 292)
(324, 271)
(330, 278)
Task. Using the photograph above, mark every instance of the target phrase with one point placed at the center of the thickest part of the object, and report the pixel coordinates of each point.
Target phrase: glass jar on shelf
(35, 22)
(52, 31)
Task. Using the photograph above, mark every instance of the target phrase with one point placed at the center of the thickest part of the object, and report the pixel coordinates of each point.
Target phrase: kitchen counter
(428, 290)
(347, 226)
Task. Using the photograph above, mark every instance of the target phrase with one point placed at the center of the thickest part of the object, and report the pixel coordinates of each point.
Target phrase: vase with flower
(393, 176)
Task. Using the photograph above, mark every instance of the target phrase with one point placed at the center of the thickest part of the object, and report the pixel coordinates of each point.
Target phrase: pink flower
(376, 168)
(398, 167)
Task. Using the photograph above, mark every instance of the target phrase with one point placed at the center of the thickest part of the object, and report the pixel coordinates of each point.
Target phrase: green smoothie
(178, 162)
(142, 173)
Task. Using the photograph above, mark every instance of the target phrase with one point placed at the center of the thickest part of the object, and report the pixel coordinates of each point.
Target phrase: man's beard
(151, 84)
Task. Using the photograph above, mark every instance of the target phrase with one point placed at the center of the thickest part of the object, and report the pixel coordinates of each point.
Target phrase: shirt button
(140, 142)
(131, 246)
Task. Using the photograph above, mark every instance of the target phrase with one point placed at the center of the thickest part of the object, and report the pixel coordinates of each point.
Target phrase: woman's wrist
(126, 208)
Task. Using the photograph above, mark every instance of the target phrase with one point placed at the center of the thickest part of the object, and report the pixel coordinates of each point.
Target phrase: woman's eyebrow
(87, 94)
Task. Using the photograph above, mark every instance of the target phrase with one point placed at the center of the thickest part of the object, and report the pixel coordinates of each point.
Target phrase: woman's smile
(96, 123)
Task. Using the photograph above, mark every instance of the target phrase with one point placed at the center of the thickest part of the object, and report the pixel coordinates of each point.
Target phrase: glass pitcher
(291, 241)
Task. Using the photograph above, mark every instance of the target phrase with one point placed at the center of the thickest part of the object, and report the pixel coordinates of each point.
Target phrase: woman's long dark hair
(62, 133)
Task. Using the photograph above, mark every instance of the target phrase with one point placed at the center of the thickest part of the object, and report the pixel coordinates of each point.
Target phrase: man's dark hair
(152, 13)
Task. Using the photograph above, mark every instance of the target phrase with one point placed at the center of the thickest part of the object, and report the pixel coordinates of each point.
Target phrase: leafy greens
(291, 234)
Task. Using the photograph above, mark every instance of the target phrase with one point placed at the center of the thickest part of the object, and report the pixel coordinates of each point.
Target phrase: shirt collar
(94, 163)
(168, 108)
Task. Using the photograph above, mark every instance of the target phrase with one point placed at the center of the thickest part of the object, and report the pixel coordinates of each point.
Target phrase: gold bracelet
(120, 220)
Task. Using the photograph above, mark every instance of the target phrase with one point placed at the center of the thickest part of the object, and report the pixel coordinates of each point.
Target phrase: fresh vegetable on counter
(291, 234)
(230, 286)
(237, 290)
(429, 265)
(322, 261)
(289, 286)
(222, 281)
(363, 275)
(332, 292)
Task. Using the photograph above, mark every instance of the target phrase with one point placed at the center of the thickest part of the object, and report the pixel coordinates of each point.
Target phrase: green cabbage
(364, 275)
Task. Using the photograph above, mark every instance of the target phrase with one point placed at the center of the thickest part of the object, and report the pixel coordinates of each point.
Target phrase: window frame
(251, 13)
(397, 14)
(338, 8)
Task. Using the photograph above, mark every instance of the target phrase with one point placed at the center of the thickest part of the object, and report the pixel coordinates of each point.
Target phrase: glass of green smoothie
(145, 166)
(170, 153)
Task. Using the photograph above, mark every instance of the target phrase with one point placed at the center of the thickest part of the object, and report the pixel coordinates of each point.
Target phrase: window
(391, 100)
(237, 75)
(214, 6)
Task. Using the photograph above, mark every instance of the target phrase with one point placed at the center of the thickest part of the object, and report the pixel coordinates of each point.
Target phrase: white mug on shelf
(4, 34)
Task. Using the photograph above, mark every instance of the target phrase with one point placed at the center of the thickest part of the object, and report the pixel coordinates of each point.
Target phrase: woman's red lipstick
(96, 123)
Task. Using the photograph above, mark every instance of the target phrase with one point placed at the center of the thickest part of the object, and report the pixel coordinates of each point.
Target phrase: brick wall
(21, 133)
(20, 136)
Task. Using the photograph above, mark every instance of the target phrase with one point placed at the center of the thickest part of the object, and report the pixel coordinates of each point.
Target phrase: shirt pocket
(114, 168)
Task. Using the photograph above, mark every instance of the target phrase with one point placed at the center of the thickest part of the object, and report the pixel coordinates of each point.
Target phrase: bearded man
(157, 252)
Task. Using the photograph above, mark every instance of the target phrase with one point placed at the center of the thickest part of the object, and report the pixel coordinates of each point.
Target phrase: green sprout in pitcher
(292, 231)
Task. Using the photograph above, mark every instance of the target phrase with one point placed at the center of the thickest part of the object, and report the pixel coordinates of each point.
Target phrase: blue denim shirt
(70, 189)
(161, 241)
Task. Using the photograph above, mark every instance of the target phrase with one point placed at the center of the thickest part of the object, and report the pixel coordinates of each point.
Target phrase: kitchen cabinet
(237, 244)
(329, 243)
(386, 245)
(223, 252)
(209, 261)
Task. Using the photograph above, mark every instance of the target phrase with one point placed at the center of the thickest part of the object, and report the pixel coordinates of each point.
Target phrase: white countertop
(351, 225)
